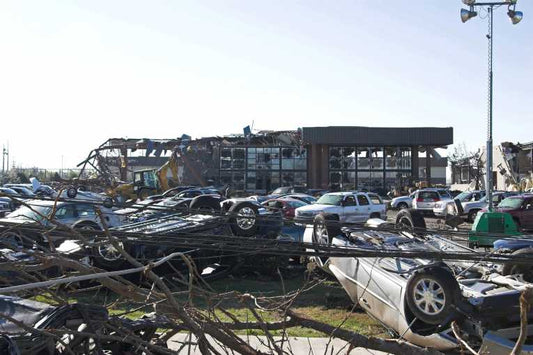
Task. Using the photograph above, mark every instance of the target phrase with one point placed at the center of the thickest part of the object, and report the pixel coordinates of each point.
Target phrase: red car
(287, 205)
(520, 207)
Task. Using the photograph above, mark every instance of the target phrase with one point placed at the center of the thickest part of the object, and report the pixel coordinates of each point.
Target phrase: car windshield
(32, 213)
(308, 199)
(464, 196)
(296, 203)
(511, 203)
(333, 200)
(444, 193)
(280, 190)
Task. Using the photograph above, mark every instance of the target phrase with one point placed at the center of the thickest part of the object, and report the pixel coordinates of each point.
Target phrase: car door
(87, 212)
(365, 209)
(350, 210)
(527, 213)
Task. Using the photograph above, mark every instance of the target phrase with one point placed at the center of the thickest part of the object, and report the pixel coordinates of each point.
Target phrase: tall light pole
(516, 17)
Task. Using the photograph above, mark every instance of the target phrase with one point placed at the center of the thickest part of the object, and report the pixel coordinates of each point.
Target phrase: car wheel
(430, 295)
(206, 204)
(108, 202)
(107, 256)
(526, 270)
(325, 227)
(72, 192)
(11, 241)
(88, 226)
(402, 205)
(411, 220)
(243, 218)
(472, 215)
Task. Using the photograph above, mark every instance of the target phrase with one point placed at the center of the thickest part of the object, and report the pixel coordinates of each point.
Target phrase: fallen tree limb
(358, 340)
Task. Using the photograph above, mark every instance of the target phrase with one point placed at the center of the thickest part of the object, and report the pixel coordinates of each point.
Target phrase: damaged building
(512, 168)
(332, 158)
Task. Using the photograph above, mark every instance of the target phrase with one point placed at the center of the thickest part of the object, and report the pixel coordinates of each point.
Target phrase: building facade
(333, 158)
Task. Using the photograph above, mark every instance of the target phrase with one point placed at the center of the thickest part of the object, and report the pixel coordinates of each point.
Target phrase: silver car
(426, 199)
(418, 298)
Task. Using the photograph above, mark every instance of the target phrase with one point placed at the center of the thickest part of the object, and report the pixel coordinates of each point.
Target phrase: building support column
(414, 163)
(428, 166)
(324, 166)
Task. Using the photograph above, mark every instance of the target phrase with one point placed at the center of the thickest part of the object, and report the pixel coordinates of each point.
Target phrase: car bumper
(439, 212)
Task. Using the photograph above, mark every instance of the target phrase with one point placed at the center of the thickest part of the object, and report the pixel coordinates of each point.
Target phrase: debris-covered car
(183, 232)
(75, 214)
(71, 320)
(418, 298)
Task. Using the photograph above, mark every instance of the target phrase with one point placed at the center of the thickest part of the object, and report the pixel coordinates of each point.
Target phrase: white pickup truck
(350, 207)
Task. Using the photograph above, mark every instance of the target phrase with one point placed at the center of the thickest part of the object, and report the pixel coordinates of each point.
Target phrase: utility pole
(516, 17)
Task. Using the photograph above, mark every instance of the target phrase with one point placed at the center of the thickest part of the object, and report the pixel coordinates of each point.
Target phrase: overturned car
(418, 298)
(207, 232)
(31, 327)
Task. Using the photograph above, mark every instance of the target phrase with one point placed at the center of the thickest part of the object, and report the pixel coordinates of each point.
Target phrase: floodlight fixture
(467, 14)
(472, 2)
(515, 16)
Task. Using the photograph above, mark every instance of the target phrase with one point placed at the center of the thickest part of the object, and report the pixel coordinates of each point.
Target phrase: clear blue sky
(74, 73)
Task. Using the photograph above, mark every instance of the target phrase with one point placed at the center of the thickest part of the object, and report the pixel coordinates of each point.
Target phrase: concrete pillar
(428, 166)
(414, 163)
(324, 166)
(311, 166)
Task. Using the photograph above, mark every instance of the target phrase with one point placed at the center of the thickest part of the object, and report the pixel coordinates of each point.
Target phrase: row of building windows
(263, 169)
(368, 168)
(369, 158)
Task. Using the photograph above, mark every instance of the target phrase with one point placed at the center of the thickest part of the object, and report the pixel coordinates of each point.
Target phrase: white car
(464, 197)
(425, 200)
(471, 206)
(349, 207)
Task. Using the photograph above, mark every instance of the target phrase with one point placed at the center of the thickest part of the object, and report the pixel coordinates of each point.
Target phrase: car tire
(86, 226)
(72, 192)
(411, 220)
(431, 295)
(107, 257)
(525, 269)
(13, 241)
(375, 215)
(325, 227)
(108, 202)
(207, 204)
(472, 215)
(243, 218)
(402, 206)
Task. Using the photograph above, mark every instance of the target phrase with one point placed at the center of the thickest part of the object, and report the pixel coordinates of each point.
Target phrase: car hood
(315, 208)
(401, 198)
(474, 204)
(504, 209)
